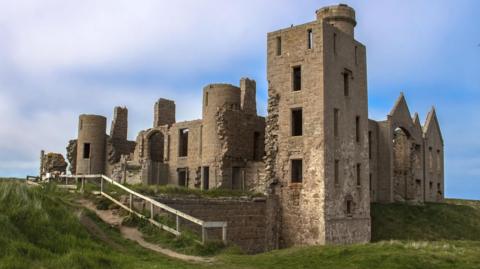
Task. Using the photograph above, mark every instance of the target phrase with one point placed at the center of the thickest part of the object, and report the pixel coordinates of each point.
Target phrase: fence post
(178, 223)
(131, 201)
(224, 233)
(204, 234)
(101, 184)
(151, 210)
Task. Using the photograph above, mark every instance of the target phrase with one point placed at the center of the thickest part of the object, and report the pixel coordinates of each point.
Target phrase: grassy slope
(38, 230)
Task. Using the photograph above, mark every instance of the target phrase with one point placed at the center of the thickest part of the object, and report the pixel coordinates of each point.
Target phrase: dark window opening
(335, 122)
(297, 122)
(370, 145)
(349, 207)
(334, 43)
(370, 181)
(418, 182)
(359, 178)
(279, 46)
(237, 178)
(183, 143)
(438, 186)
(297, 78)
(336, 172)
(431, 185)
(309, 38)
(206, 177)
(297, 175)
(256, 147)
(155, 145)
(86, 151)
(357, 129)
(346, 77)
(182, 174)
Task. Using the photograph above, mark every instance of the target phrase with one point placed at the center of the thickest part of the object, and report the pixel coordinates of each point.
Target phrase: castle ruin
(316, 153)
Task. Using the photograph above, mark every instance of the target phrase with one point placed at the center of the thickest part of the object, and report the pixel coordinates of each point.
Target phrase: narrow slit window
(297, 122)
(86, 151)
(183, 143)
(279, 46)
(297, 175)
(349, 207)
(370, 181)
(357, 129)
(309, 38)
(336, 172)
(346, 86)
(335, 121)
(334, 43)
(359, 178)
(297, 78)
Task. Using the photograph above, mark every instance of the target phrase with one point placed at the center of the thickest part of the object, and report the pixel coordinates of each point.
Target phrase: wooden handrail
(177, 213)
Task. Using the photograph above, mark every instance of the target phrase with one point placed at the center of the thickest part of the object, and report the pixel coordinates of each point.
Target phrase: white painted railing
(178, 214)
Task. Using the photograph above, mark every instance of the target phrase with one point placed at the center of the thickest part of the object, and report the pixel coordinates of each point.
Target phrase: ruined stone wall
(246, 219)
(119, 128)
(434, 160)
(72, 155)
(164, 112)
(192, 162)
(373, 158)
(248, 96)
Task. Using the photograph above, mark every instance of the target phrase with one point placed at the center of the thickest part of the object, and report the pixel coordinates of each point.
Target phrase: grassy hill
(40, 229)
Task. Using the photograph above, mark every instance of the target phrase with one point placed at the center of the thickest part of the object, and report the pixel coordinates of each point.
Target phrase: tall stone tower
(317, 130)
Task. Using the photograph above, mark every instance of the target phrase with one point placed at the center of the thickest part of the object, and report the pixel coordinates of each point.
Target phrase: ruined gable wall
(434, 164)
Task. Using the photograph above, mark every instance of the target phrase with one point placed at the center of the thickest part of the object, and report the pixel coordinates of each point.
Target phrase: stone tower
(317, 130)
(91, 144)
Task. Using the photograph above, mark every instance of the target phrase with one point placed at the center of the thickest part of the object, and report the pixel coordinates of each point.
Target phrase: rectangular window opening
(86, 151)
(206, 177)
(297, 175)
(336, 172)
(279, 46)
(357, 129)
(346, 86)
(349, 207)
(335, 121)
(297, 78)
(334, 43)
(182, 175)
(309, 38)
(297, 122)
(183, 143)
(359, 178)
(370, 181)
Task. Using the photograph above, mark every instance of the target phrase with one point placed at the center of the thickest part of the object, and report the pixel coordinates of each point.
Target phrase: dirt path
(108, 216)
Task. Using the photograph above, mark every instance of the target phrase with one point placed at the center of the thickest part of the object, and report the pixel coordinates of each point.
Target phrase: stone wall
(247, 218)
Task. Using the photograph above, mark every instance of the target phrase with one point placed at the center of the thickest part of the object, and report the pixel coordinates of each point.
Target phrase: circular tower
(215, 96)
(91, 144)
(340, 16)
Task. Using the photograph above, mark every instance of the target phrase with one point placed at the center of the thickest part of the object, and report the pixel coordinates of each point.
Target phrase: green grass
(40, 229)
(154, 190)
(432, 221)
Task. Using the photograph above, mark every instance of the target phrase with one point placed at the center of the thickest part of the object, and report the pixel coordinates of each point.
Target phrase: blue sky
(61, 58)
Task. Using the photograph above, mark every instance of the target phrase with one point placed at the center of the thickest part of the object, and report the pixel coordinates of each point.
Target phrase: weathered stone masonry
(317, 157)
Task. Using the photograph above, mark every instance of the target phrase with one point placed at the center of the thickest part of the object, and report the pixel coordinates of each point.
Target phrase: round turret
(340, 16)
(215, 96)
(91, 144)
